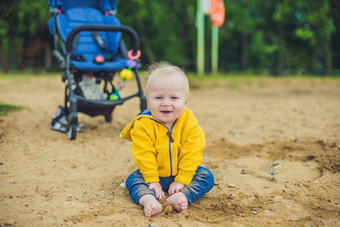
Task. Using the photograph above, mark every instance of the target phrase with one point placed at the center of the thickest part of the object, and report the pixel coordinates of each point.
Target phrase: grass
(226, 80)
(236, 80)
(27, 74)
(6, 108)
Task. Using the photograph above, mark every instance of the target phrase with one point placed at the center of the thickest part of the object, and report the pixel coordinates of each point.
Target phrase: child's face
(167, 98)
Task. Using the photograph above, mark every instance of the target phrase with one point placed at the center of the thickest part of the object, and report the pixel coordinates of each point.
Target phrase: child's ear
(186, 101)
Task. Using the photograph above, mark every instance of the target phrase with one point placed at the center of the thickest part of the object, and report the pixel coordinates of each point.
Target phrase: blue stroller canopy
(103, 5)
(88, 43)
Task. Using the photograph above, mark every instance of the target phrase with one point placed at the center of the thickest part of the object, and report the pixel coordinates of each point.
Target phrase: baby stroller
(89, 45)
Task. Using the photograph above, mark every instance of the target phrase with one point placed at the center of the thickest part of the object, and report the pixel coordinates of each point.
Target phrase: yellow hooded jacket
(163, 152)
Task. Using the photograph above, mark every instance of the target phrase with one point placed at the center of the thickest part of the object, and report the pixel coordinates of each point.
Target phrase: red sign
(217, 14)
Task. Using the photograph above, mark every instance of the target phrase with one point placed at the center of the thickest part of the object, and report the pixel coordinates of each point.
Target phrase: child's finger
(161, 195)
(171, 191)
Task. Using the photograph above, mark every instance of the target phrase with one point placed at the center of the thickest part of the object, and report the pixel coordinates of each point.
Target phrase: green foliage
(166, 29)
(283, 37)
(20, 22)
(260, 51)
(6, 108)
(304, 34)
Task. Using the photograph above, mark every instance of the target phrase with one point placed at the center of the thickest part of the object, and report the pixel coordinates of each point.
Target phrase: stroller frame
(74, 102)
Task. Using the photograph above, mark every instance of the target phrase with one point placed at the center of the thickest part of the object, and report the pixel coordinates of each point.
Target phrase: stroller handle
(125, 29)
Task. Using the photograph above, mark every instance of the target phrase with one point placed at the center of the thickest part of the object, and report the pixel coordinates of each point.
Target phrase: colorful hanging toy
(125, 74)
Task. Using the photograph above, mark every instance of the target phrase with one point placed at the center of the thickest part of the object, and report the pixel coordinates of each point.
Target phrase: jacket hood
(125, 134)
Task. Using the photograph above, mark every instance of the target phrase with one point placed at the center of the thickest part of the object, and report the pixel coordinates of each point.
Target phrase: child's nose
(166, 102)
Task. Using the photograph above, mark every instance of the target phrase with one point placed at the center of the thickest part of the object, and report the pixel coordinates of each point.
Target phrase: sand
(272, 144)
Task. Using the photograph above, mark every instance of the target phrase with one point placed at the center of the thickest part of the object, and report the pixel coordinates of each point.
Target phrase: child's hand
(175, 187)
(157, 188)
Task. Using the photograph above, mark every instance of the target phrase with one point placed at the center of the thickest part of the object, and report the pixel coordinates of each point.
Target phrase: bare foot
(150, 204)
(178, 201)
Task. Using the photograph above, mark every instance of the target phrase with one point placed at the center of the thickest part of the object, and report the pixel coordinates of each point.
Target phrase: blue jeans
(201, 183)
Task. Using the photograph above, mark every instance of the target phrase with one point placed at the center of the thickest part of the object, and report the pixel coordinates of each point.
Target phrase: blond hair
(163, 70)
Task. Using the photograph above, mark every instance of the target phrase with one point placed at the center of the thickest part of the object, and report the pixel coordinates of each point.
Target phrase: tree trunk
(329, 70)
(244, 49)
(281, 49)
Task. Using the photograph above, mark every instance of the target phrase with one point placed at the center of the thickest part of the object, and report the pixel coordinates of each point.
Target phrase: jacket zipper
(171, 140)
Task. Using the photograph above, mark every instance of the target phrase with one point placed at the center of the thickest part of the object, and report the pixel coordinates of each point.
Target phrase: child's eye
(158, 97)
(174, 97)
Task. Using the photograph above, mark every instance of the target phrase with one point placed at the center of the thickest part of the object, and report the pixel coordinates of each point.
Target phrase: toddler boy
(167, 144)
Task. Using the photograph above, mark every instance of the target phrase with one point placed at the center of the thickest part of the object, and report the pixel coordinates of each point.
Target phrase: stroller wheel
(108, 118)
(72, 132)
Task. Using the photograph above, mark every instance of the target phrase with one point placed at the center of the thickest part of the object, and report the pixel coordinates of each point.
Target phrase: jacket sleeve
(191, 154)
(144, 152)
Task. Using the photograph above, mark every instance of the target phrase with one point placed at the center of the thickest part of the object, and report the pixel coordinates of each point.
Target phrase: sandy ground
(272, 144)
